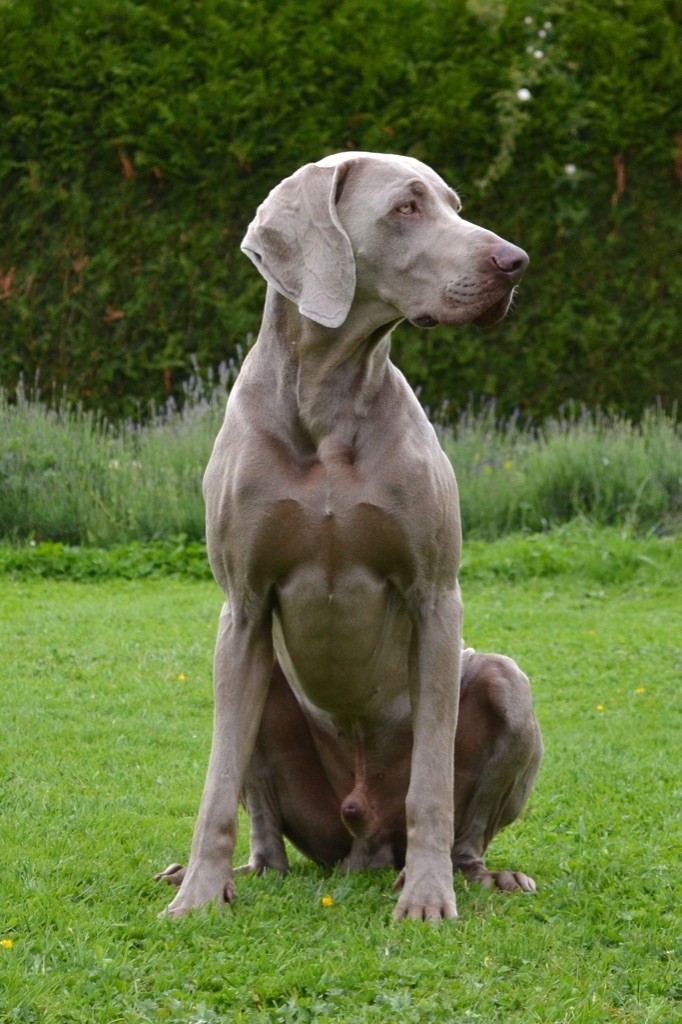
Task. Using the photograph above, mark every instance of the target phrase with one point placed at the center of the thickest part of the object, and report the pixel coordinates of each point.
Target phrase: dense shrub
(138, 139)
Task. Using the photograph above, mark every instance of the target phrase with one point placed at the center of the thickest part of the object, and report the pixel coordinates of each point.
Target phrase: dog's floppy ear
(299, 245)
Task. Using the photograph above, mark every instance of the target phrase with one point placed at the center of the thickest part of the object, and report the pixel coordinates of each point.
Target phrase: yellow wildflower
(327, 901)
(7, 943)
(600, 707)
(640, 689)
(182, 677)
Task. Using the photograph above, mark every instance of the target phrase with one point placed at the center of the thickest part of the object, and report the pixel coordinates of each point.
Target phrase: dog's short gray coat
(333, 529)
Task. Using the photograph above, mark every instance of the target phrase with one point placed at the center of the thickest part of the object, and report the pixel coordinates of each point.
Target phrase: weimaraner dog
(333, 529)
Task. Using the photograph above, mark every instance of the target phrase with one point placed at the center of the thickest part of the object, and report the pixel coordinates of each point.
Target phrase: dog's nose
(511, 261)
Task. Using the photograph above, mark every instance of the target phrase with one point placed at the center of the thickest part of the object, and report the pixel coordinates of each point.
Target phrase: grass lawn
(106, 711)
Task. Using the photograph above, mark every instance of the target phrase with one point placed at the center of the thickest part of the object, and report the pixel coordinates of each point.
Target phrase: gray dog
(333, 529)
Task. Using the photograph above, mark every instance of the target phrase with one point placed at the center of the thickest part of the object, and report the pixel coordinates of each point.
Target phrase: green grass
(70, 476)
(104, 752)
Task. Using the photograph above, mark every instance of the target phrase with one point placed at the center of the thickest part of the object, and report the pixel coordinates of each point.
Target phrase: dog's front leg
(242, 670)
(427, 889)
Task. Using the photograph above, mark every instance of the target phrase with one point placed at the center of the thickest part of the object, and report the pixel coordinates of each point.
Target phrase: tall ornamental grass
(69, 475)
(578, 464)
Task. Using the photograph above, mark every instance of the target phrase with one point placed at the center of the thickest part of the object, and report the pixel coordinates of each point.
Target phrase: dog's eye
(406, 209)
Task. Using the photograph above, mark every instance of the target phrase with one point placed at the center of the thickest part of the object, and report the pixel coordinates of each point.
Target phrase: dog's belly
(343, 644)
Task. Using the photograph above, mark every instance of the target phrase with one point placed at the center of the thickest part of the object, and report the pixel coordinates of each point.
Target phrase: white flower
(539, 54)
(547, 25)
(524, 95)
(542, 33)
(570, 169)
(528, 20)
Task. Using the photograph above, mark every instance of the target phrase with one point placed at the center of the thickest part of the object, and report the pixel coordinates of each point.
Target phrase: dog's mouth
(493, 313)
(490, 315)
(425, 321)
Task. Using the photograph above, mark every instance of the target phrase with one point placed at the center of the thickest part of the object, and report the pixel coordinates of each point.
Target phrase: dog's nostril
(511, 260)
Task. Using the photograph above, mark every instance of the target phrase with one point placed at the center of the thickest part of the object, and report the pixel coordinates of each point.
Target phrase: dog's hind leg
(286, 791)
(498, 750)
(266, 839)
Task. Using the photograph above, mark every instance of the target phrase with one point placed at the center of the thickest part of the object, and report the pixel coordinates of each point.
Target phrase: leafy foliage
(154, 560)
(581, 550)
(139, 138)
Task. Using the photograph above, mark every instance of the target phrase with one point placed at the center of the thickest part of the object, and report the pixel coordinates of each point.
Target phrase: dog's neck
(334, 375)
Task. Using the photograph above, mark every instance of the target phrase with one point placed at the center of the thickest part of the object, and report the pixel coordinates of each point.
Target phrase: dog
(333, 529)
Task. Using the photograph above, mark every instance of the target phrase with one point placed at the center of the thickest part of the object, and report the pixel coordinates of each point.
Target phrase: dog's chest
(332, 531)
(333, 517)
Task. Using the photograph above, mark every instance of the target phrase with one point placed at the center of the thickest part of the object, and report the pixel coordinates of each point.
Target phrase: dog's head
(385, 229)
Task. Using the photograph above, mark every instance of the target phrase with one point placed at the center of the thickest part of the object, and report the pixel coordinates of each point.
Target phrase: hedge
(139, 137)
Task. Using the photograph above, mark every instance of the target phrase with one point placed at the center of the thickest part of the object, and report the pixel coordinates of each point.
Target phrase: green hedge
(139, 137)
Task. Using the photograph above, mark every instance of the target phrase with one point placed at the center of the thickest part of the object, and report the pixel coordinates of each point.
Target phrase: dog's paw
(197, 888)
(429, 899)
(506, 881)
(258, 863)
(173, 875)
